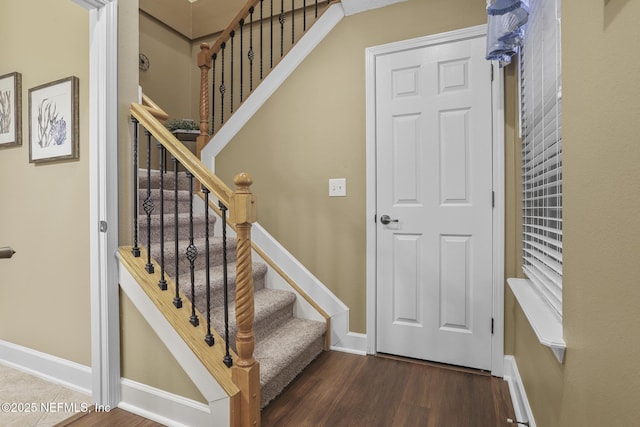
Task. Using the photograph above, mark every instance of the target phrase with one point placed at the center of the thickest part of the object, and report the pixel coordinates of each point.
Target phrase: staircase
(284, 344)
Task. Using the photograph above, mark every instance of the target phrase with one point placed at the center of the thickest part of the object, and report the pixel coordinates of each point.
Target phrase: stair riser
(169, 228)
(215, 255)
(184, 201)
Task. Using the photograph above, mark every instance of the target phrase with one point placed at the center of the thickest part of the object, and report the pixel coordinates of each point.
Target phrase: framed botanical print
(10, 110)
(53, 121)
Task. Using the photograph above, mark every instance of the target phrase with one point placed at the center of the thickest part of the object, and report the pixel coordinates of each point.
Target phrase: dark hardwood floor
(345, 390)
(340, 389)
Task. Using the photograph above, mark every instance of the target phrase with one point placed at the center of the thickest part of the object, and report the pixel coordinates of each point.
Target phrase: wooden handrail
(180, 152)
(154, 108)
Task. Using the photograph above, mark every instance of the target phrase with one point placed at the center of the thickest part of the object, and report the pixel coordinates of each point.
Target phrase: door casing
(497, 88)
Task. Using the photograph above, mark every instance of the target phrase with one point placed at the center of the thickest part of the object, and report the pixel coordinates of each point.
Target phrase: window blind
(541, 93)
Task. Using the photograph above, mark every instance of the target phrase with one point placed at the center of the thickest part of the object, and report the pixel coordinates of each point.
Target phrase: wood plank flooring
(345, 390)
(340, 389)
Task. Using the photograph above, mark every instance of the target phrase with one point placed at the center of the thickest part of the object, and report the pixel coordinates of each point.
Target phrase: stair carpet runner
(285, 344)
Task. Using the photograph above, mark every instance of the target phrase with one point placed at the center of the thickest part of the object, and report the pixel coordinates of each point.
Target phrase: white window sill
(547, 327)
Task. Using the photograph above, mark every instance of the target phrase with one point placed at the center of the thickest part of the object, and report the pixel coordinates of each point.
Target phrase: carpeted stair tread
(215, 254)
(217, 283)
(273, 307)
(184, 200)
(286, 352)
(183, 180)
(169, 226)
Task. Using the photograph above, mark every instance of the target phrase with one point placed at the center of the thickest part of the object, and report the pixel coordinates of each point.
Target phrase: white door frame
(497, 89)
(103, 199)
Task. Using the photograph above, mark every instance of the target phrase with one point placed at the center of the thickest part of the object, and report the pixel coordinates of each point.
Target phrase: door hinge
(493, 199)
(492, 326)
(375, 218)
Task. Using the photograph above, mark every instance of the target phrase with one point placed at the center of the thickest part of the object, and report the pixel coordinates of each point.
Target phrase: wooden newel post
(204, 63)
(246, 370)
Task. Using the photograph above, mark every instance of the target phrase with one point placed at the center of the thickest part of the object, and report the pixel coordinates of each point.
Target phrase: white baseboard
(163, 407)
(51, 368)
(518, 394)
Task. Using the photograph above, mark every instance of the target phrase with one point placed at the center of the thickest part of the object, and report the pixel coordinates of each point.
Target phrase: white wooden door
(434, 183)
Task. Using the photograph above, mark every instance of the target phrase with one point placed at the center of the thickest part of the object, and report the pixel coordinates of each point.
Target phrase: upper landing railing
(245, 52)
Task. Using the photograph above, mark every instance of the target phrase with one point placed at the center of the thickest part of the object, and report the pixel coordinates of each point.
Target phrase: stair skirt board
(285, 342)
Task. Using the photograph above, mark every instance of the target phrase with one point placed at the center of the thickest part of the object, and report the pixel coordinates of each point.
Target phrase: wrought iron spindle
(316, 9)
(223, 88)
(136, 192)
(233, 36)
(162, 283)
(251, 54)
(213, 98)
(282, 20)
(241, 57)
(271, 40)
(261, 36)
(227, 357)
(304, 15)
(192, 254)
(177, 301)
(148, 204)
(209, 337)
(293, 25)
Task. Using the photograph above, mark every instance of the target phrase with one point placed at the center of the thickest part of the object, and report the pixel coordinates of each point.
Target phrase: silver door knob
(386, 219)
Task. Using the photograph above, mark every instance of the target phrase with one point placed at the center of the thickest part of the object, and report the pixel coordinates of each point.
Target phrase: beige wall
(44, 209)
(168, 80)
(598, 385)
(313, 129)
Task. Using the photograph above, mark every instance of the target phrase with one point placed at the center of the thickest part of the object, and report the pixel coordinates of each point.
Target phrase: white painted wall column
(103, 162)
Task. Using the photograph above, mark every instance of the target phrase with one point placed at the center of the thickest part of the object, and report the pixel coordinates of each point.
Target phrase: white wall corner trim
(92, 4)
(51, 368)
(165, 408)
(352, 7)
(518, 394)
(103, 201)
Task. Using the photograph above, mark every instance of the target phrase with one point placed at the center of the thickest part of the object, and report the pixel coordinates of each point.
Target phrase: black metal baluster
(282, 20)
(209, 337)
(316, 9)
(304, 15)
(227, 357)
(233, 36)
(261, 37)
(192, 254)
(213, 98)
(241, 57)
(162, 284)
(271, 41)
(136, 190)
(293, 25)
(223, 88)
(251, 54)
(148, 204)
(177, 301)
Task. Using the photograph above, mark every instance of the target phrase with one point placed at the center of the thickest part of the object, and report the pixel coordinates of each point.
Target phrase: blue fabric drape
(505, 32)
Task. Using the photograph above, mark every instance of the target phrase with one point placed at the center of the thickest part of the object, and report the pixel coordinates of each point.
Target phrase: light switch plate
(337, 187)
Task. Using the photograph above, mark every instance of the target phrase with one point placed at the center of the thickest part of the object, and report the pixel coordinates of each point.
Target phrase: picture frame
(10, 110)
(54, 121)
